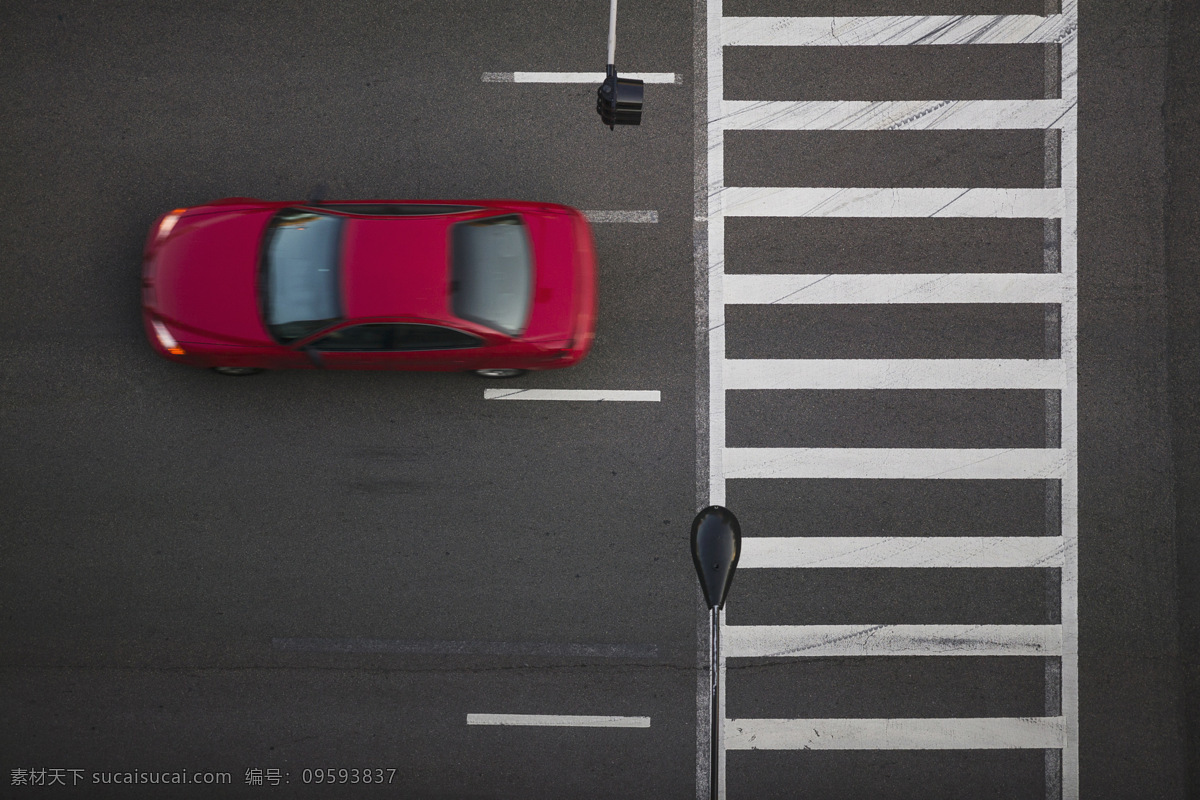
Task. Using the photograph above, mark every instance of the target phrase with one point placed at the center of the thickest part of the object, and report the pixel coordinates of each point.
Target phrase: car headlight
(168, 223)
(166, 339)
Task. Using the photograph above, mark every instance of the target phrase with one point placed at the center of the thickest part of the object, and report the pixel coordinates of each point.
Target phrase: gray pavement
(165, 532)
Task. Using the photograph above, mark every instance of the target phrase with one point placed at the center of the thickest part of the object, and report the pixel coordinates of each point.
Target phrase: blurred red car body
(499, 287)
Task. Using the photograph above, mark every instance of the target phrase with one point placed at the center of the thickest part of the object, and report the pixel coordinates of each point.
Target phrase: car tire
(237, 371)
(499, 372)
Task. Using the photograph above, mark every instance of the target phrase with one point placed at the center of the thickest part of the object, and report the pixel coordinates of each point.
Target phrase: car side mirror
(314, 355)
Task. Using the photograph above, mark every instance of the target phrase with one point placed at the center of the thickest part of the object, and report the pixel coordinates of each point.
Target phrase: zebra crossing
(1056, 732)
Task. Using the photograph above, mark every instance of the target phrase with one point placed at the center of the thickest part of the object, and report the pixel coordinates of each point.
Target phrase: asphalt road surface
(373, 585)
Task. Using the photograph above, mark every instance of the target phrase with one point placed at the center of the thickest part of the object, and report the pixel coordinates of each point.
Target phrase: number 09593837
(380, 775)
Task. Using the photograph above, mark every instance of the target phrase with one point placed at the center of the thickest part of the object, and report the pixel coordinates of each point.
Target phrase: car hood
(204, 277)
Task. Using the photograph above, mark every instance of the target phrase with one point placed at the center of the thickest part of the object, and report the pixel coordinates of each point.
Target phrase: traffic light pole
(618, 100)
(612, 36)
(716, 547)
(714, 705)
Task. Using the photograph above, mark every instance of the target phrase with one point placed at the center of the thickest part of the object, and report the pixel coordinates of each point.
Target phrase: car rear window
(300, 272)
(492, 273)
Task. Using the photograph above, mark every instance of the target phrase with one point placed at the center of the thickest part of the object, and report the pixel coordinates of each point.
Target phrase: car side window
(357, 338)
(395, 337)
(431, 337)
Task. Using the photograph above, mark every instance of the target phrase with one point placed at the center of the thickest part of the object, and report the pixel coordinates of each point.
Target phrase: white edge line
(1068, 254)
(714, 72)
(558, 720)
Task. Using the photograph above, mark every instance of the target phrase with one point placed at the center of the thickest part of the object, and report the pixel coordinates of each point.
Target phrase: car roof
(397, 267)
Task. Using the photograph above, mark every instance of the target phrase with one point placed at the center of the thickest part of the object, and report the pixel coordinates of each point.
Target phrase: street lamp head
(716, 546)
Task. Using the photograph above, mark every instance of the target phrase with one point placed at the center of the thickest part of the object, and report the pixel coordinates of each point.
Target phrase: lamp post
(716, 546)
(618, 100)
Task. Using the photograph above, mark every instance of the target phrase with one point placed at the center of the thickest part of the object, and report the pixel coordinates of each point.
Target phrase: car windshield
(299, 276)
(492, 280)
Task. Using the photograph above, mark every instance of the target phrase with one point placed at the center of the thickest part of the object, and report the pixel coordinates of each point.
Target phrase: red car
(497, 287)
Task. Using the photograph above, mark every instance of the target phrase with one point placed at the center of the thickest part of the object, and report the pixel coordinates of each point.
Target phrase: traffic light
(619, 100)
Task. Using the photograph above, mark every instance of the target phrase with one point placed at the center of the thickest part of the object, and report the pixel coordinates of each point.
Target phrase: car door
(398, 345)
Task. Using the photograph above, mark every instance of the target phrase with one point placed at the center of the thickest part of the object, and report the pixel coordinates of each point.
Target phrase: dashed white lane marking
(906, 288)
(893, 115)
(771, 201)
(962, 733)
(851, 641)
(913, 373)
(576, 77)
(823, 552)
(621, 216)
(895, 31)
(897, 463)
(559, 720)
(586, 395)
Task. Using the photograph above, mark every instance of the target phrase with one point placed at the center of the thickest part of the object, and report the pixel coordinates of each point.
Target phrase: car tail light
(166, 339)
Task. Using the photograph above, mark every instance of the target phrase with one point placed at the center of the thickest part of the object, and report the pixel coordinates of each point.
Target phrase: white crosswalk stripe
(887, 463)
(845, 641)
(1055, 202)
(862, 373)
(895, 31)
(772, 201)
(943, 288)
(988, 733)
(796, 552)
(863, 115)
